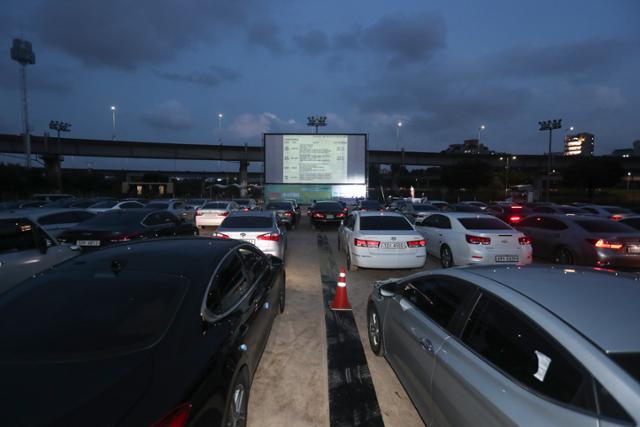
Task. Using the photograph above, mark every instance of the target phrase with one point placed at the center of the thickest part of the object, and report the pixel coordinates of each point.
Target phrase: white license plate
(393, 245)
(506, 258)
(88, 242)
(252, 241)
(330, 216)
(633, 249)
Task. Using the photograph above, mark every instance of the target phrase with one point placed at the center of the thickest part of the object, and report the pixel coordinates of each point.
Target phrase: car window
(590, 210)
(520, 349)
(16, 235)
(441, 221)
(105, 205)
(153, 219)
(216, 205)
(131, 205)
(532, 221)
(496, 210)
(484, 224)
(82, 216)
(430, 221)
(548, 223)
(160, 206)
(178, 205)
(255, 263)
(229, 285)
(603, 226)
(372, 223)
(247, 222)
(439, 298)
(424, 208)
(58, 218)
(166, 218)
(609, 406)
(279, 206)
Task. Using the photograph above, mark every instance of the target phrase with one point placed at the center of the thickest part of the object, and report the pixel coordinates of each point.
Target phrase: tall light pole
(113, 122)
(628, 179)
(22, 52)
(398, 129)
(506, 172)
(550, 125)
(480, 129)
(220, 117)
(317, 121)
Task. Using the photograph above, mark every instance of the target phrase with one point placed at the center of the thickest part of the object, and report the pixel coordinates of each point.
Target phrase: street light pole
(506, 173)
(549, 125)
(398, 128)
(317, 121)
(628, 180)
(113, 122)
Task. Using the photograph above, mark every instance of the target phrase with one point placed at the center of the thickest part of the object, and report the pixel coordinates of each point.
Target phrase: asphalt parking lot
(291, 384)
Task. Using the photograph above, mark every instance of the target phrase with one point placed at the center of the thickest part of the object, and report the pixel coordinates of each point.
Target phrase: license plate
(506, 258)
(88, 243)
(252, 241)
(393, 245)
(330, 217)
(633, 249)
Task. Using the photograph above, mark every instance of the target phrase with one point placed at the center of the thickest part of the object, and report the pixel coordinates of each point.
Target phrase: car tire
(374, 331)
(282, 298)
(563, 256)
(446, 257)
(350, 265)
(236, 405)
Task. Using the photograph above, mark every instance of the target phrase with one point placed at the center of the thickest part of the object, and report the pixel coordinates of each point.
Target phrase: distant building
(470, 146)
(628, 152)
(581, 144)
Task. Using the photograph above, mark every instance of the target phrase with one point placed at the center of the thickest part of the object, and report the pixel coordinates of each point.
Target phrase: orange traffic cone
(340, 300)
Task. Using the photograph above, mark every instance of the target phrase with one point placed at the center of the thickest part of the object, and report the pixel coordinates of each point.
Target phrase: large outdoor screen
(315, 159)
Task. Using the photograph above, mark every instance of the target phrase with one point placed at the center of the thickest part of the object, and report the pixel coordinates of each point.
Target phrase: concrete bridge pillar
(52, 170)
(244, 178)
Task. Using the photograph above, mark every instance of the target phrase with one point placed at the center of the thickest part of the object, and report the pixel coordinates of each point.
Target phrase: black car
(511, 214)
(368, 205)
(125, 225)
(155, 333)
(285, 213)
(466, 207)
(326, 212)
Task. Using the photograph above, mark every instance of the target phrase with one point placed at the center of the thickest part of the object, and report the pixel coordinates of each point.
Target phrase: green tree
(592, 172)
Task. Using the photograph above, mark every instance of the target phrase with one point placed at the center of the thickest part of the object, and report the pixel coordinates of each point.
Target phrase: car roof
(379, 213)
(34, 214)
(263, 214)
(465, 214)
(600, 304)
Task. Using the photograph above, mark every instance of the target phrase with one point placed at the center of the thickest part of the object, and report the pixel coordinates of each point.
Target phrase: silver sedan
(506, 346)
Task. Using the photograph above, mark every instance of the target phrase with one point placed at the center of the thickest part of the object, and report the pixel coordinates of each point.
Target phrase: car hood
(74, 393)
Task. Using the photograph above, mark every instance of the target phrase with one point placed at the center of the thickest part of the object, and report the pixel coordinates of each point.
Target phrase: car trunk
(250, 236)
(391, 242)
(630, 242)
(96, 237)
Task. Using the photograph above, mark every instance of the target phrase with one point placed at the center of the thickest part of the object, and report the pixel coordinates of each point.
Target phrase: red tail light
(125, 237)
(345, 210)
(176, 418)
(318, 215)
(198, 212)
(514, 218)
(524, 240)
(366, 243)
(225, 213)
(381, 209)
(416, 243)
(340, 215)
(616, 217)
(273, 237)
(601, 243)
(219, 235)
(478, 240)
(289, 213)
(516, 207)
(363, 209)
(245, 209)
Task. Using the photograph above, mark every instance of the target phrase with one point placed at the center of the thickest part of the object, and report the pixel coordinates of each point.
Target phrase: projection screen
(315, 158)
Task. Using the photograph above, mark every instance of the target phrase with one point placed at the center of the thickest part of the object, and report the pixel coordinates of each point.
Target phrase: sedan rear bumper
(390, 261)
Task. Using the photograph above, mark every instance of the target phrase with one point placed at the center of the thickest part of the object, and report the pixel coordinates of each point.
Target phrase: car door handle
(426, 344)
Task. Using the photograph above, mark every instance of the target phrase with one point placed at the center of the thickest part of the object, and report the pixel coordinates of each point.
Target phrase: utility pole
(549, 125)
(22, 52)
(113, 122)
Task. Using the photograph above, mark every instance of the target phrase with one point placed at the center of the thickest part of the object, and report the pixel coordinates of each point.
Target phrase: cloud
(250, 125)
(314, 42)
(266, 34)
(125, 34)
(168, 115)
(41, 77)
(212, 77)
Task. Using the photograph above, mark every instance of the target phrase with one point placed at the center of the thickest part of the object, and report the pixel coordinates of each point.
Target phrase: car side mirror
(387, 290)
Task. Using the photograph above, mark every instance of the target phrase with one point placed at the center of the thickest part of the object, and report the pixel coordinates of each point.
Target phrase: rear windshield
(370, 204)
(111, 218)
(278, 205)
(424, 208)
(16, 235)
(196, 201)
(242, 202)
(571, 210)
(467, 208)
(328, 206)
(216, 205)
(247, 222)
(630, 362)
(58, 317)
(384, 223)
(615, 209)
(604, 226)
(158, 206)
(107, 204)
(483, 224)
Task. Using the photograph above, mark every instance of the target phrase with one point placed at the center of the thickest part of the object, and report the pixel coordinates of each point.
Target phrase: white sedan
(260, 228)
(108, 205)
(212, 214)
(381, 240)
(462, 238)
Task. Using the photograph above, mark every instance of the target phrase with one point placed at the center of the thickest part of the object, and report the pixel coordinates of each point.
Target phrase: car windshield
(16, 234)
(278, 206)
(604, 226)
(247, 222)
(368, 223)
(483, 224)
(156, 205)
(630, 362)
(370, 204)
(107, 204)
(111, 218)
(58, 317)
(216, 205)
(328, 206)
(424, 208)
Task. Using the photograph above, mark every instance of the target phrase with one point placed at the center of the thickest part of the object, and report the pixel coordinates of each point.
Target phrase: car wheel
(350, 265)
(375, 331)
(283, 295)
(563, 256)
(236, 412)
(446, 257)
